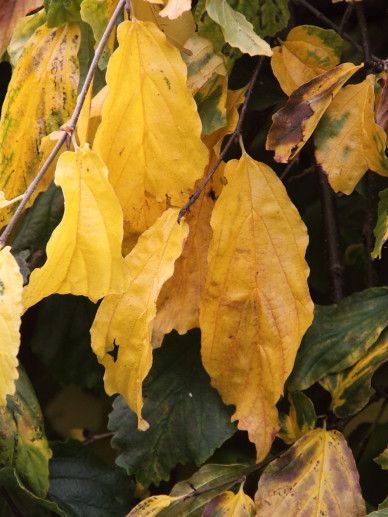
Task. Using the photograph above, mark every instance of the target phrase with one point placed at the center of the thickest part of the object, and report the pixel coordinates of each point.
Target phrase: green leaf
(211, 103)
(13, 492)
(339, 336)
(382, 510)
(96, 14)
(23, 31)
(382, 459)
(85, 486)
(187, 418)
(23, 445)
(62, 11)
(301, 418)
(272, 16)
(351, 388)
(381, 229)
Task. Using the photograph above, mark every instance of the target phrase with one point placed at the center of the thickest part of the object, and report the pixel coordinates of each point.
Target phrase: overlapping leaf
(126, 320)
(10, 12)
(26, 118)
(306, 479)
(381, 229)
(229, 504)
(84, 251)
(173, 8)
(250, 333)
(293, 125)
(348, 140)
(300, 420)
(23, 31)
(60, 12)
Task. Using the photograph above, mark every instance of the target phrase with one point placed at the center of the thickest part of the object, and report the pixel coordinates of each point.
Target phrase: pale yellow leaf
(317, 476)
(10, 12)
(151, 506)
(154, 154)
(84, 251)
(174, 8)
(11, 308)
(250, 330)
(41, 97)
(229, 504)
(126, 320)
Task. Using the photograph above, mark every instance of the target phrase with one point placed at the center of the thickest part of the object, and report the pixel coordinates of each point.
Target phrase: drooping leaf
(382, 459)
(84, 251)
(381, 228)
(307, 479)
(159, 154)
(84, 486)
(126, 320)
(348, 140)
(340, 335)
(229, 504)
(300, 420)
(11, 308)
(186, 428)
(250, 334)
(60, 12)
(26, 118)
(351, 388)
(23, 445)
(293, 125)
(23, 31)
(307, 52)
(237, 30)
(10, 12)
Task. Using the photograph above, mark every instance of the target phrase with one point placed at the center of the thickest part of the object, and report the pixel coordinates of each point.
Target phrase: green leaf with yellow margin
(293, 125)
(300, 420)
(23, 445)
(27, 118)
(84, 251)
(309, 477)
(158, 155)
(125, 321)
(23, 31)
(250, 334)
(60, 12)
(382, 459)
(11, 308)
(351, 388)
(229, 504)
(381, 228)
(307, 52)
(340, 335)
(348, 141)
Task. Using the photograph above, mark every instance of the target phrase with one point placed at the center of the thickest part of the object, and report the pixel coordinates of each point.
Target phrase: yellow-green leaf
(307, 52)
(382, 459)
(126, 320)
(151, 506)
(27, 118)
(237, 30)
(84, 251)
(351, 388)
(153, 153)
(381, 229)
(23, 31)
(348, 140)
(300, 420)
(251, 332)
(10, 12)
(316, 476)
(11, 308)
(211, 102)
(293, 125)
(229, 504)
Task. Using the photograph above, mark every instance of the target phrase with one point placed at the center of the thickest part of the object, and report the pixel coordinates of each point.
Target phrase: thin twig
(97, 437)
(289, 166)
(232, 138)
(70, 126)
(364, 442)
(364, 30)
(345, 19)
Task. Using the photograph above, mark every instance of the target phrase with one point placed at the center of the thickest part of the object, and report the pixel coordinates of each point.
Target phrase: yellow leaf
(151, 506)
(229, 504)
(126, 320)
(11, 308)
(10, 12)
(173, 8)
(348, 140)
(316, 476)
(307, 52)
(251, 331)
(84, 251)
(40, 98)
(153, 153)
(293, 125)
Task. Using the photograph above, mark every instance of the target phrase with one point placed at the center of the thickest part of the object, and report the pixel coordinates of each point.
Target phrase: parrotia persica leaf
(84, 251)
(351, 389)
(60, 11)
(237, 30)
(293, 125)
(11, 308)
(348, 140)
(23, 31)
(153, 152)
(229, 504)
(173, 8)
(126, 320)
(251, 332)
(272, 15)
(308, 479)
(300, 420)
(307, 52)
(27, 118)
(382, 459)
(381, 229)
(340, 335)
(151, 506)
(10, 12)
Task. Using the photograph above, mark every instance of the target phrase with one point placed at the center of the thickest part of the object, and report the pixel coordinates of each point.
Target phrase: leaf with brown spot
(293, 125)
(316, 477)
